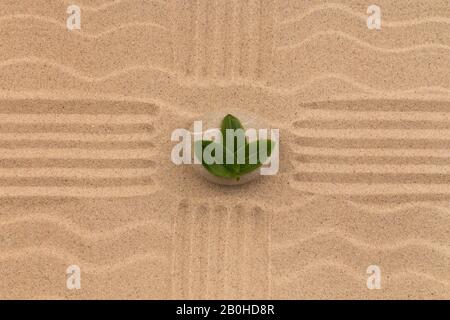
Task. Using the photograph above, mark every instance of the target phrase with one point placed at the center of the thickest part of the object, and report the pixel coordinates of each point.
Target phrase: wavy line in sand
(405, 217)
(56, 253)
(360, 43)
(343, 237)
(83, 34)
(192, 83)
(83, 233)
(101, 235)
(442, 210)
(382, 210)
(306, 84)
(45, 297)
(343, 8)
(107, 5)
(322, 264)
(74, 73)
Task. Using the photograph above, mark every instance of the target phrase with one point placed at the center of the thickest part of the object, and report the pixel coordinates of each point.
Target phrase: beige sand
(85, 170)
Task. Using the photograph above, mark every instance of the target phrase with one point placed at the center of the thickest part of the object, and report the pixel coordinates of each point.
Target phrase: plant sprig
(235, 170)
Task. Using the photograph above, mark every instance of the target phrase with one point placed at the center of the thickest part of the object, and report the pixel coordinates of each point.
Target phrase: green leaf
(235, 170)
(232, 167)
(249, 167)
(232, 123)
(199, 146)
(219, 170)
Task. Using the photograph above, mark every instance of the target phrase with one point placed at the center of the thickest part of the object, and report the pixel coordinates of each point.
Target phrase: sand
(85, 170)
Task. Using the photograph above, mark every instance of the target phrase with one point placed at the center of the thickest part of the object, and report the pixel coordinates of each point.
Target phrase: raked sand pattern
(85, 170)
